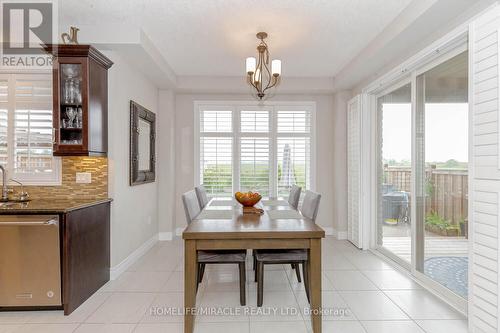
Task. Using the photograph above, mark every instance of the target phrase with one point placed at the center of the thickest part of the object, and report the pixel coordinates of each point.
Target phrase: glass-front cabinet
(80, 100)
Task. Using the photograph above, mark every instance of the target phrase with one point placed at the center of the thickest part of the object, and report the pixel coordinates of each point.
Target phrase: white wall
(165, 171)
(184, 161)
(134, 210)
(340, 100)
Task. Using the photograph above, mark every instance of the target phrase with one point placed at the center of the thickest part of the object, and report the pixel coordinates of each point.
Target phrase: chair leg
(254, 260)
(305, 272)
(243, 280)
(256, 272)
(260, 283)
(198, 270)
(297, 271)
(202, 272)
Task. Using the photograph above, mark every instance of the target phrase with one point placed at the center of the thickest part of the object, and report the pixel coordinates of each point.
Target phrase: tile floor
(364, 293)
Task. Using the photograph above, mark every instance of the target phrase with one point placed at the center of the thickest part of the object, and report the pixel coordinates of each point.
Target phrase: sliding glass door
(394, 172)
(441, 182)
(422, 192)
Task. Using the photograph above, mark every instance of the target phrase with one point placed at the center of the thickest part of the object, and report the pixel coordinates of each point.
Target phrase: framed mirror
(142, 144)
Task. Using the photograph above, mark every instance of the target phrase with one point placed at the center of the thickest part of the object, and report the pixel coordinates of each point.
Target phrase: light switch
(83, 178)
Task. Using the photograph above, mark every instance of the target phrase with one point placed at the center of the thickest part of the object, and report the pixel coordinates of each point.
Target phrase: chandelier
(259, 75)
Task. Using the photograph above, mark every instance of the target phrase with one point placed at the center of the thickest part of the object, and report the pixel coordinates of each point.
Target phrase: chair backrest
(201, 193)
(294, 196)
(310, 205)
(191, 205)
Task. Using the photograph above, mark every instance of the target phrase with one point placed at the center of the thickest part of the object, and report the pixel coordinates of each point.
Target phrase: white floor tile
(223, 304)
(350, 280)
(175, 283)
(421, 304)
(391, 280)
(14, 317)
(343, 327)
(372, 305)
(77, 316)
(138, 282)
(278, 327)
(166, 307)
(160, 328)
(335, 306)
(406, 326)
(47, 328)
(229, 327)
(105, 328)
(439, 326)
(284, 302)
(126, 308)
(364, 260)
(336, 262)
(9, 328)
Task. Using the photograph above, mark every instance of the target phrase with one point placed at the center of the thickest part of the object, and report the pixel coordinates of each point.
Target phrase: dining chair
(309, 209)
(293, 200)
(294, 196)
(192, 209)
(201, 193)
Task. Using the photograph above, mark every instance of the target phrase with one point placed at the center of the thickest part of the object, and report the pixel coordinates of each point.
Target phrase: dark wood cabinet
(80, 98)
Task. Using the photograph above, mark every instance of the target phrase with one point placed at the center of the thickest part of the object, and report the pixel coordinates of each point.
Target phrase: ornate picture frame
(142, 148)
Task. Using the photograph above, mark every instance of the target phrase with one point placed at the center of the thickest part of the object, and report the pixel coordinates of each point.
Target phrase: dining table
(222, 225)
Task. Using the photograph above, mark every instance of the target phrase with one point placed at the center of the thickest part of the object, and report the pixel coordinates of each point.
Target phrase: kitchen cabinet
(84, 242)
(80, 100)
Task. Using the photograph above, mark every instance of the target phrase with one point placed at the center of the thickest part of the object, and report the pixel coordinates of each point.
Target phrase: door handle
(30, 223)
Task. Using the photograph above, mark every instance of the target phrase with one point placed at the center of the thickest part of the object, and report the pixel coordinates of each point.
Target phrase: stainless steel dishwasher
(30, 273)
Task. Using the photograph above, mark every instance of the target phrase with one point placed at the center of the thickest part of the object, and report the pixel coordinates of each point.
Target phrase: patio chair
(192, 209)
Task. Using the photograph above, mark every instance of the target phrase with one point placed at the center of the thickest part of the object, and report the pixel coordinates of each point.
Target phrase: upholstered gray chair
(294, 196)
(309, 209)
(201, 193)
(192, 209)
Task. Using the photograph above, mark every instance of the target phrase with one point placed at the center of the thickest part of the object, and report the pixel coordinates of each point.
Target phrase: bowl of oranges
(248, 199)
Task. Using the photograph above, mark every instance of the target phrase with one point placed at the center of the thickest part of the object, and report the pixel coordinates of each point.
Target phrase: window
(26, 129)
(251, 148)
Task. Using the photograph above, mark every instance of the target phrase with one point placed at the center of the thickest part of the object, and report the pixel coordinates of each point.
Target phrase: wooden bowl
(247, 201)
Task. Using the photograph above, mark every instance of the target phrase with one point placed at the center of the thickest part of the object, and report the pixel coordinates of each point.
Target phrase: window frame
(273, 107)
(55, 177)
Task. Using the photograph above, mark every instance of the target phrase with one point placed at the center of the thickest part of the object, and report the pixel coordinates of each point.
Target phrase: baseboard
(165, 236)
(118, 270)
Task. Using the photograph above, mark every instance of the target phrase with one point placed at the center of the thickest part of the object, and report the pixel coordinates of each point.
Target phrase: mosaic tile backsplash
(97, 189)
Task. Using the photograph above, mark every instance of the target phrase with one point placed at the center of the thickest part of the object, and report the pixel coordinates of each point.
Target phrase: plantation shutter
(254, 151)
(33, 126)
(354, 172)
(293, 149)
(485, 174)
(4, 112)
(216, 152)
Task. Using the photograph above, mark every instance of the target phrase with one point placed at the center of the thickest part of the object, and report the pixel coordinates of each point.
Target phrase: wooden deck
(435, 246)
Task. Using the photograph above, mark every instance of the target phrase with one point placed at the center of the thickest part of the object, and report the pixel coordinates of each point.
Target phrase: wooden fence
(446, 190)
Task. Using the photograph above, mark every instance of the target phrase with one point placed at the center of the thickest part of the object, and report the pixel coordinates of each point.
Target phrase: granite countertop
(43, 206)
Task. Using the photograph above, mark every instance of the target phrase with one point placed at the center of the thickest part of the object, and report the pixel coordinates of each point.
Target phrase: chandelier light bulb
(251, 64)
(276, 67)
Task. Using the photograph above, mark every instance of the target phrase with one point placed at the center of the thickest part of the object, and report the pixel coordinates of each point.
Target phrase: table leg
(315, 284)
(190, 283)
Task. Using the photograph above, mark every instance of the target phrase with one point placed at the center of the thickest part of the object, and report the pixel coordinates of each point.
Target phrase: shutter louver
(254, 167)
(33, 127)
(216, 152)
(4, 117)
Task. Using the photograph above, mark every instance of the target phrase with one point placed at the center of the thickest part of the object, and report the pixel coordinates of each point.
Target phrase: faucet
(23, 196)
(5, 192)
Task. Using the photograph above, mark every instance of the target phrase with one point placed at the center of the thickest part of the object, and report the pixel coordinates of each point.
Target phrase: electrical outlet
(83, 178)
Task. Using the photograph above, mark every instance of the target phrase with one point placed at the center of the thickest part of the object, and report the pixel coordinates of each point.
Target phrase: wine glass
(71, 113)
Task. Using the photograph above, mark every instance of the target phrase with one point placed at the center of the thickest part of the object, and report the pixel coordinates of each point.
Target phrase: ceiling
(313, 38)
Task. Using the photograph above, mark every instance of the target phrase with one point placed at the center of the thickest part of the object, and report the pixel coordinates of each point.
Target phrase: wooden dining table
(222, 225)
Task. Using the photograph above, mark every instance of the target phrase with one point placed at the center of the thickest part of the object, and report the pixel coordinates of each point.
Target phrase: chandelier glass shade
(262, 75)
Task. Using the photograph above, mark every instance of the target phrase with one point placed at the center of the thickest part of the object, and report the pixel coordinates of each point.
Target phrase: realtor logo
(26, 27)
